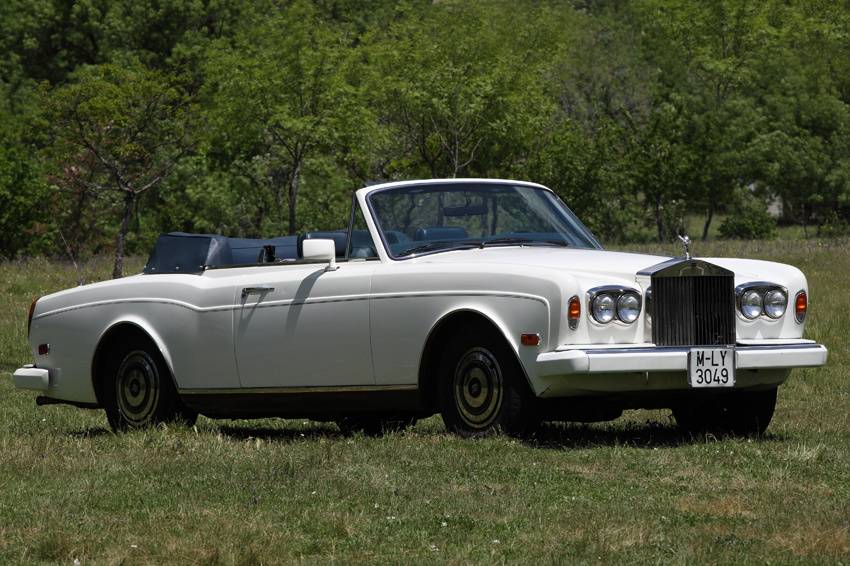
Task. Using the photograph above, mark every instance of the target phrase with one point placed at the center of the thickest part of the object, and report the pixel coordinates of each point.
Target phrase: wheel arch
(116, 333)
(441, 332)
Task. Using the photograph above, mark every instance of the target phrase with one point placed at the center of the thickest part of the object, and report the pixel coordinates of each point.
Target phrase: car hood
(591, 262)
(618, 264)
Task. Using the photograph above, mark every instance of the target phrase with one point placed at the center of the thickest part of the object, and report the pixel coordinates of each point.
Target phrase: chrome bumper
(31, 377)
(607, 359)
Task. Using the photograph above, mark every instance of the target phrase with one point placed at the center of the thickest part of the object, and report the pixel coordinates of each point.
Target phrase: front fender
(511, 323)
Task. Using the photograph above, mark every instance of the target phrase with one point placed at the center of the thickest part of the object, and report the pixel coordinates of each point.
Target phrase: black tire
(741, 413)
(374, 426)
(138, 391)
(482, 388)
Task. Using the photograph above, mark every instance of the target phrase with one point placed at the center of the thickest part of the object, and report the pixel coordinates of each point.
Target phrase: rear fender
(146, 327)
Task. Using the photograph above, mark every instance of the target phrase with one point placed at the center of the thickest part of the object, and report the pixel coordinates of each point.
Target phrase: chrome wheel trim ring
(138, 388)
(477, 388)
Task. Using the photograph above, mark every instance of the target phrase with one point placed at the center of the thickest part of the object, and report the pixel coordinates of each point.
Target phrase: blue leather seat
(441, 233)
(395, 237)
(246, 251)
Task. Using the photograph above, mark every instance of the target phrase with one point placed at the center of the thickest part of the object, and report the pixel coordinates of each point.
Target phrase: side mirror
(321, 250)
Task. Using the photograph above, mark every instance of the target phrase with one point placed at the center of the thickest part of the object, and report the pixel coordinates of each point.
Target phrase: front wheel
(740, 413)
(482, 389)
(138, 392)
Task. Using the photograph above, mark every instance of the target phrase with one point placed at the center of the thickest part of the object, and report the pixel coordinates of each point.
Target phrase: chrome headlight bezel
(768, 303)
(628, 307)
(612, 295)
(603, 303)
(761, 289)
(751, 304)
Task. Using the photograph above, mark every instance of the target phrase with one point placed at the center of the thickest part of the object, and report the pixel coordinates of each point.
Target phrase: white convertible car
(486, 301)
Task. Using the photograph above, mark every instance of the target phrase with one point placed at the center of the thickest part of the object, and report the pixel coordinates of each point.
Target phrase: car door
(304, 326)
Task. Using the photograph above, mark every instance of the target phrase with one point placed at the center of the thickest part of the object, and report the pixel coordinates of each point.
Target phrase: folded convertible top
(180, 252)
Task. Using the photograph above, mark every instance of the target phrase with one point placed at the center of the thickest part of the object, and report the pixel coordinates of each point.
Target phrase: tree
(802, 153)
(277, 97)
(23, 203)
(117, 132)
(705, 52)
(596, 138)
(442, 82)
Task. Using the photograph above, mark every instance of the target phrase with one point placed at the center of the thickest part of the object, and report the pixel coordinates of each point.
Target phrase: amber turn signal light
(530, 339)
(801, 305)
(574, 312)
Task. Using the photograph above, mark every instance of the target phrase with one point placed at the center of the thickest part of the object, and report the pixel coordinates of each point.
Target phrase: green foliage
(639, 114)
(117, 132)
(278, 98)
(834, 226)
(24, 202)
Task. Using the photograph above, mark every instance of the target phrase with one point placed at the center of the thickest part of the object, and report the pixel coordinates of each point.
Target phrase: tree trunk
(805, 223)
(708, 219)
(294, 183)
(118, 268)
(659, 221)
(77, 233)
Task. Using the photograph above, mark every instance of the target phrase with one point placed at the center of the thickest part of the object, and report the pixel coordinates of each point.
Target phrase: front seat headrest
(441, 233)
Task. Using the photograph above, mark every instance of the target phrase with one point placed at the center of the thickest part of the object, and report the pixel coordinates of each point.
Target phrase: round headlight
(775, 302)
(603, 308)
(751, 304)
(628, 307)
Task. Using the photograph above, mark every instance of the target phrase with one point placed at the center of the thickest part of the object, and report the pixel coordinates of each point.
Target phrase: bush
(833, 226)
(749, 220)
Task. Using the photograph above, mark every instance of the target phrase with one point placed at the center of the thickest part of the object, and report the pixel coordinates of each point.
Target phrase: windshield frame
(457, 185)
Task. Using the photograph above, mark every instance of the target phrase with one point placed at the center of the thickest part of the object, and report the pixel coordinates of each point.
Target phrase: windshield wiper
(445, 245)
(522, 241)
(506, 241)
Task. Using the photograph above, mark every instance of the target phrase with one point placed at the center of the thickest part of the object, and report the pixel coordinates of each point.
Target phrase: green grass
(239, 492)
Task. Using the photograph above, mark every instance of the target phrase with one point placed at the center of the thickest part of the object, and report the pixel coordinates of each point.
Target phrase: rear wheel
(482, 389)
(138, 391)
(742, 413)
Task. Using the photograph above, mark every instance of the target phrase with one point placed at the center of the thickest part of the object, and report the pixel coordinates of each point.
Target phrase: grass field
(241, 492)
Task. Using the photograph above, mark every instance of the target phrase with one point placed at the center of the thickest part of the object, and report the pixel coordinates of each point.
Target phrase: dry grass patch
(731, 506)
(813, 540)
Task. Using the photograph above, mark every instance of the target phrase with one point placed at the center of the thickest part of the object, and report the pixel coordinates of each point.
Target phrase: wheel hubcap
(138, 388)
(478, 388)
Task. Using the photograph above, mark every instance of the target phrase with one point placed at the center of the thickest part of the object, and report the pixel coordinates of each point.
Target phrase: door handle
(256, 291)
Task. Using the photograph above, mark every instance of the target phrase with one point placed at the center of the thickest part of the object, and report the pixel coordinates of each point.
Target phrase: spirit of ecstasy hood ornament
(687, 243)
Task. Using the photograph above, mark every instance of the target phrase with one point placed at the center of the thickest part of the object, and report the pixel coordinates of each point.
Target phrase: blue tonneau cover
(180, 252)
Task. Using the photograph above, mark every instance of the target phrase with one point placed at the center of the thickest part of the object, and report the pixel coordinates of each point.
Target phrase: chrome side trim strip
(293, 302)
(297, 390)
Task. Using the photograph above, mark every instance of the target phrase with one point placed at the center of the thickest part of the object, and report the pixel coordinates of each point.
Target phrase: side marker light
(574, 312)
(801, 306)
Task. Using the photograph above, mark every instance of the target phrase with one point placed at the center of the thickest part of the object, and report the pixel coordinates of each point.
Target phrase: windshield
(420, 219)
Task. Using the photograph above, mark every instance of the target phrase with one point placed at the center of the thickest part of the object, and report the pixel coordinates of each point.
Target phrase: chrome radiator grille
(693, 310)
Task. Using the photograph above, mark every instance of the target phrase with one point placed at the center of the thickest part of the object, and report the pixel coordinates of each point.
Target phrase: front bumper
(606, 359)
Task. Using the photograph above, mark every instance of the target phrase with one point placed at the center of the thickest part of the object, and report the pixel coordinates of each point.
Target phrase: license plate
(711, 367)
